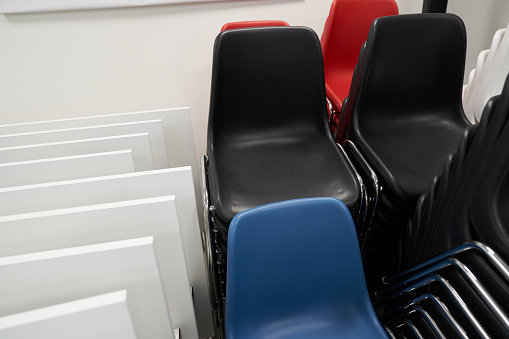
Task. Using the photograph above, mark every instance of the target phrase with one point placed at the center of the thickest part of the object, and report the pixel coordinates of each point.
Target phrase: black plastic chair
(268, 135)
(488, 209)
(407, 117)
(452, 222)
(408, 108)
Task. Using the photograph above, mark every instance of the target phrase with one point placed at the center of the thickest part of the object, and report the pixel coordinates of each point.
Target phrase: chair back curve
(254, 80)
(255, 23)
(268, 136)
(346, 29)
(411, 86)
(295, 271)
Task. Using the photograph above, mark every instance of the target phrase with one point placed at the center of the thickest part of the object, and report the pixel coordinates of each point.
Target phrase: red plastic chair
(345, 31)
(258, 23)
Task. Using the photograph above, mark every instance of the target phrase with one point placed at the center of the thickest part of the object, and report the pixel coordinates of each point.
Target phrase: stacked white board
(138, 144)
(177, 129)
(139, 191)
(65, 168)
(104, 316)
(84, 225)
(153, 129)
(42, 279)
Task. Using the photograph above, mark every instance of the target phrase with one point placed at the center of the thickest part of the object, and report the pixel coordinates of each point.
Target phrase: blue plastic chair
(295, 271)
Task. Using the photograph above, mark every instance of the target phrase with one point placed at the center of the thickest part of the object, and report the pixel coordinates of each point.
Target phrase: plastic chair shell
(256, 23)
(295, 271)
(345, 31)
(268, 135)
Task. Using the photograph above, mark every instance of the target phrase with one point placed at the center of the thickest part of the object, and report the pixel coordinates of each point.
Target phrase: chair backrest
(488, 203)
(414, 64)
(267, 82)
(346, 29)
(434, 6)
(256, 23)
(295, 271)
(349, 103)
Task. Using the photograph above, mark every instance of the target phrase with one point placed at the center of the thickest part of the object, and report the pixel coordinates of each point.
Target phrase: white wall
(69, 64)
(482, 19)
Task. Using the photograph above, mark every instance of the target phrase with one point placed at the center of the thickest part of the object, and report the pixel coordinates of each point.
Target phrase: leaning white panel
(154, 128)
(48, 230)
(101, 317)
(65, 168)
(178, 134)
(42, 279)
(138, 143)
(177, 128)
(73, 193)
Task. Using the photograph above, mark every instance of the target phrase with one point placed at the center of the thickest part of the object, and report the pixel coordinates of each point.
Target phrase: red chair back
(346, 29)
(258, 23)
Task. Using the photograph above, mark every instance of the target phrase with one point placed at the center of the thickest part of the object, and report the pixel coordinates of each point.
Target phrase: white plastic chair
(491, 80)
(476, 72)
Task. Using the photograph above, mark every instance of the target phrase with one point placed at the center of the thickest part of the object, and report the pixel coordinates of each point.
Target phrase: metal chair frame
(435, 278)
(417, 309)
(370, 177)
(445, 313)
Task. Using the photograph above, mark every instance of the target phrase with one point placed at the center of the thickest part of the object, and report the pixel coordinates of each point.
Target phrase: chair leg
(372, 183)
(212, 257)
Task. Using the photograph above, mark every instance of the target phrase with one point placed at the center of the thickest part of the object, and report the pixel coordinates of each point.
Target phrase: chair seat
(430, 140)
(243, 177)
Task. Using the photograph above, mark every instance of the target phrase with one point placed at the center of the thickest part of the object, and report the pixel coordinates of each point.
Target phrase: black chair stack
(468, 200)
(456, 246)
(405, 116)
(268, 136)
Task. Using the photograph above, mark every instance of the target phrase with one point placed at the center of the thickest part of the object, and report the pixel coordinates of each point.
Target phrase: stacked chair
(404, 115)
(424, 189)
(268, 135)
(345, 31)
(455, 247)
(283, 291)
(465, 204)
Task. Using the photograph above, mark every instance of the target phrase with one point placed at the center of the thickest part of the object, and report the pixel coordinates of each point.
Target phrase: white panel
(65, 168)
(174, 181)
(42, 279)
(102, 317)
(177, 128)
(154, 128)
(48, 230)
(138, 143)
